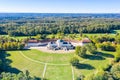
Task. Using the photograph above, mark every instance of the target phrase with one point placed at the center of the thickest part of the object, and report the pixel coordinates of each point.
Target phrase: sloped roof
(85, 40)
(33, 41)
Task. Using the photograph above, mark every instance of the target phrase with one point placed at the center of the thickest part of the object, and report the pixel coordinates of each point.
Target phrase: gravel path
(44, 49)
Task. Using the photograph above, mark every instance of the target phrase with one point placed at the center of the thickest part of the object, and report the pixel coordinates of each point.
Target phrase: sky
(60, 6)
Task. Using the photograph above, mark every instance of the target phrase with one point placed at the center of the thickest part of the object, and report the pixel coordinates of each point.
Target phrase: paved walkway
(44, 70)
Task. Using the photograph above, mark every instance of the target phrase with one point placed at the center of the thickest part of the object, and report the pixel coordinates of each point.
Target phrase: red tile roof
(86, 40)
(33, 41)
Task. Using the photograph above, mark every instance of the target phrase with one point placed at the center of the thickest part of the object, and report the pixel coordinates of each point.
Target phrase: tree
(91, 48)
(38, 36)
(10, 44)
(117, 55)
(74, 61)
(107, 46)
(52, 36)
(43, 36)
(81, 77)
(115, 70)
(60, 35)
(81, 51)
(20, 46)
(116, 75)
(99, 75)
(115, 67)
(19, 76)
(117, 38)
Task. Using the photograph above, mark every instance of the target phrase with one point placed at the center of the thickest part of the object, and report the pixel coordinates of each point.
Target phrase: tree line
(25, 26)
(7, 43)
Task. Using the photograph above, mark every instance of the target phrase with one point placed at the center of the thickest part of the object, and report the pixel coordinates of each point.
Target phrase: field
(56, 66)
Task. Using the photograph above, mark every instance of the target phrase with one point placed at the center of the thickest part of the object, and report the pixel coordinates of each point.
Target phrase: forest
(47, 24)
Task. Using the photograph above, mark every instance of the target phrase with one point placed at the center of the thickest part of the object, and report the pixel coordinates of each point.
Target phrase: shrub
(81, 77)
(99, 75)
(81, 51)
(117, 39)
(38, 36)
(91, 48)
(117, 55)
(115, 67)
(107, 46)
(116, 75)
(74, 61)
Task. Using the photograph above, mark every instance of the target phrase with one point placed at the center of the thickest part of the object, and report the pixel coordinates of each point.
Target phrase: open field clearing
(58, 72)
(21, 63)
(48, 57)
(56, 66)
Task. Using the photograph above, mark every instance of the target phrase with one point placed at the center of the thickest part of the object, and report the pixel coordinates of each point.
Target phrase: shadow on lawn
(106, 55)
(5, 66)
(20, 50)
(84, 66)
(94, 57)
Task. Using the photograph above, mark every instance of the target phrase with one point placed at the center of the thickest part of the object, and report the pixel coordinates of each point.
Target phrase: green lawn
(117, 31)
(57, 72)
(48, 57)
(94, 63)
(23, 64)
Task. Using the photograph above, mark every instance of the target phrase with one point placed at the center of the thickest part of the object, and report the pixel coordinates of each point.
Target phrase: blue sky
(60, 6)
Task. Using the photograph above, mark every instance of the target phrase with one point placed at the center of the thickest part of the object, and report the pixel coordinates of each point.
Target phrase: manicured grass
(117, 31)
(94, 63)
(89, 67)
(23, 64)
(55, 58)
(58, 73)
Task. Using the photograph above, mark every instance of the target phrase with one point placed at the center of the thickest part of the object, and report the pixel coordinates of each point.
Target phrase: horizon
(59, 6)
(50, 13)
